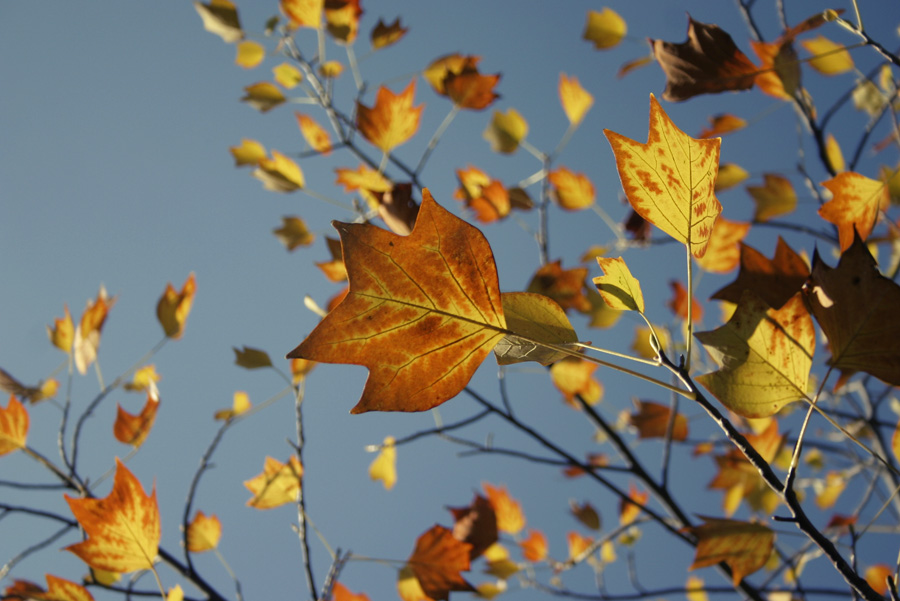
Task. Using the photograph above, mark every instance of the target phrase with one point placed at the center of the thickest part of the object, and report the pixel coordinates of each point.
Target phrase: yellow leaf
(572, 191)
(724, 251)
(221, 18)
(87, 333)
(534, 318)
(605, 28)
(175, 593)
(828, 58)
(721, 125)
(331, 69)
(827, 492)
(249, 54)
(574, 376)
(774, 198)
(299, 369)
(293, 233)
(62, 334)
(834, 154)
(314, 134)
(744, 546)
(510, 518)
(631, 508)
(641, 344)
(303, 13)
(505, 131)
(619, 289)
(278, 484)
(143, 379)
(696, 589)
(13, 426)
(575, 100)
(366, 180)
(263, 96)
(670, 180)
(173, 307)
(122, 528)
(250, 152)
(765, 356)
(578, 545)
(58, 589)
(384, 467)
(854, 206)
(240, 405)
(279, 174)
(392, 120)
(203, 533)
(730, 175)
(489, 590)
(867, 97)
(287, 75)
(342, 20)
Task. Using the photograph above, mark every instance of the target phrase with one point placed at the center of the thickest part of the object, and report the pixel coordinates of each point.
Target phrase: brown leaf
(384, 35)
(469, 89)
(476, 525)
(397, 208)
(565, 286)
(437, 562)
(652, 421)
(774, 280)
(708, 62)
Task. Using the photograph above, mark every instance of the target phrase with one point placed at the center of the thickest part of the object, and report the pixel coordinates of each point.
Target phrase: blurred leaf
(384, 35)
(203, 533)
(565, 286)
(487, 197)
(143, 379)
(774, 280)
(634, 65)
(133, 429)
(249, 54)
(331, 69)
(724, 250)
(828, 58)
(392, 120)
(13, 426)
(279, 174)
(586, 514)
(287, 76)
(250, 152)
(744, 546)
(342, 19)
(221, 18)
(87, 333)
(240, 404)
(679, 302)
(834, 154)
(436, 563)
(476, 525)
(774, 198)
(384, 467)
(510, 518)
(173, 307)
(303, 13)
(251, 358)
(729, 176)
(578, 545)
(263, 96)
(574, 376)
(57, 590)
(469, 89)
(278, 484)
(604, 28)
(293, 233)
(62, 334)
(572, 191)
(652, 421)
(314, 134)
(630, 509)
(534, 547)
(721, 125)
(505, 131)
(440, 68)
(575, 100)
(366, 180)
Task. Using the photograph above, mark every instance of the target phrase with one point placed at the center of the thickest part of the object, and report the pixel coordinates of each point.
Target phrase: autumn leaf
(469, 89)
(392, 120)
(331, 69)
(834, 154)
(203, 533)
(422, 313)
(741, 481)
(573, 376)
(565, 286)
(436, 563)
(651, 420)
(123, 528)
(58, 589)
(670, 180)
(877, 576)
(397, 208)
(774, 198)
(339, 592)
(779, 72)
(437, 72)
(221, 18)
(240, 404)
(366, 180)
(300, 368)
(630, 508)
(475, 525)
(32, 394)
(721, 125)
(249, 54)
(604, 28)
(293, 233)
(62, 334)
(384, 467)
(87, 333)
(724, 251)
(487, 197)
(642, 344)
(13, 426)
(263, 96)
(856, 308)
(287, 76)
(708, 62)
(510, 518)
(575, 100)
(679, 302)
(303, 13)
(578, 545)
(619, 289)
(279, 174)
(730, 175)
(854, 206)
(314, 134)
(250, 152)
(144, 378)
(133, 429)
(534, 547)
(765, 356)
(774, 280)
(506, 131)
(173, 307)
(334, 270)
(278, 484)
(535, 319)
(342, 19)
(384, 35)
(571, 191)
(586, 514)
(251, 358)
(828, 58)
(743, 546)
(633, 65)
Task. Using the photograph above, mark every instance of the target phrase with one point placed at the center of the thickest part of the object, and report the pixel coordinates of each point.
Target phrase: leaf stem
(432, 144)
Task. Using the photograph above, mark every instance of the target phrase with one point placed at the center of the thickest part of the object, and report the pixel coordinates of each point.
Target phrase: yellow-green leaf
(534, 318)
(618, 287)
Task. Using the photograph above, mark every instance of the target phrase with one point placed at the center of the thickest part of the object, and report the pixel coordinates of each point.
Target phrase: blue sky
(116, 122)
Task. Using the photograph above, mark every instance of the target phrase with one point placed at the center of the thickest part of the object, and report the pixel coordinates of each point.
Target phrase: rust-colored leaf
(436, 563)
(534, 547)
(652, 421)
(122, 528)
(565, 286)
(13, 426)
(422, 313)
(854, 206)
(476, 525)
(469, 89)
(314, 134)
(133, 429)
(278, 484)
(203, 533)
(721, 125)
(857, 309)
(679, 302)
(487, 197)
(744, 546)
(392, 120)
(670, 180)
(437, 72)
(384, 35)
(578, 545)
(774, 280)
(173, 307)
(708, 62)
(58, 589)
(342, 19)
(508, 511)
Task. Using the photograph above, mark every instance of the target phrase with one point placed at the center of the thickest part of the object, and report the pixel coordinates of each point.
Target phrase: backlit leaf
(249, 54)
(827, 495)
(176, 593)
(251, 358)
(575, 100)
(487, 197)
(510, 518)
(534, 547)
(679, 302)
(854, 206)
(392, 120)
(630, 509)
(263, 96)
(834, 154)
(422, 313)
(651, 420)
(248, 153)
(774, 198)
(857, 309)
(779, 73)
(670, 180)
(287, 76)
(293, 233)
(765, 356)
(774, 280)
(828, 58)
(634, 65)
(436, 563)
(877, 577)
(469, 89)
(384, 35)
(314, 134)
(384, 467)
(203, 533)
(619, 289)
(744, 546)
(571, 191)
(604, 28)
(574, 376)
(239, 405)
(173, 307)
(278, 484)
(642, 341)
(578, 545)
(724, 250)
(533, 317)
(62, 334)
(133, 429)
(721, 125)
(122, 528)
(339, 592)
(366, 180)
(505, 131)
(58, 589)
(279, 174)
(221, 18)
(342, 19)
(303, 13)
(13, 426)
(708, 62)
(437, 72)
(565, 286)
(730, 175)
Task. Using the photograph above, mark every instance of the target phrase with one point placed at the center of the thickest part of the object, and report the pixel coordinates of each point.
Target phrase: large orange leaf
(857, 309)
(855, 205)
(123, 528)
(392, 120)
(13, 426)
(422, 313)
(744, 546)
(765, 356)
(670, 180)
(437, 561)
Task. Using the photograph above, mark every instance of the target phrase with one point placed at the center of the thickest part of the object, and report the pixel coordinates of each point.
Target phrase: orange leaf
(203, 533)
(857, 309)
(652, 421)
(631, 508)
(441, 67)
(314, 134)
(578, 545)
(299, 369)
(534, 548)
(779, 73)
(774, 198)
(877, 576)
(476, 525)
(744, 546)
(122, 528)
(670, 180)
(708, 62)
(510, 518)
(574, 376)
(436, 562)
(575, 100)
(679, 302)
(342, 19)
(487, 197)
(854, 206)
(724, 252)
(303, 13)
(62, 334)
(469, 89)
(173, 307)
(774, 280)
(427, 306)
(339, 592)
(565, 286)
(87, 333)
(58, 589)
(721, 125)
(133, 429)
(13, 426)
(384, 35)
(572, 191)
(392, 120)
(278, 484)
(740, 480)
